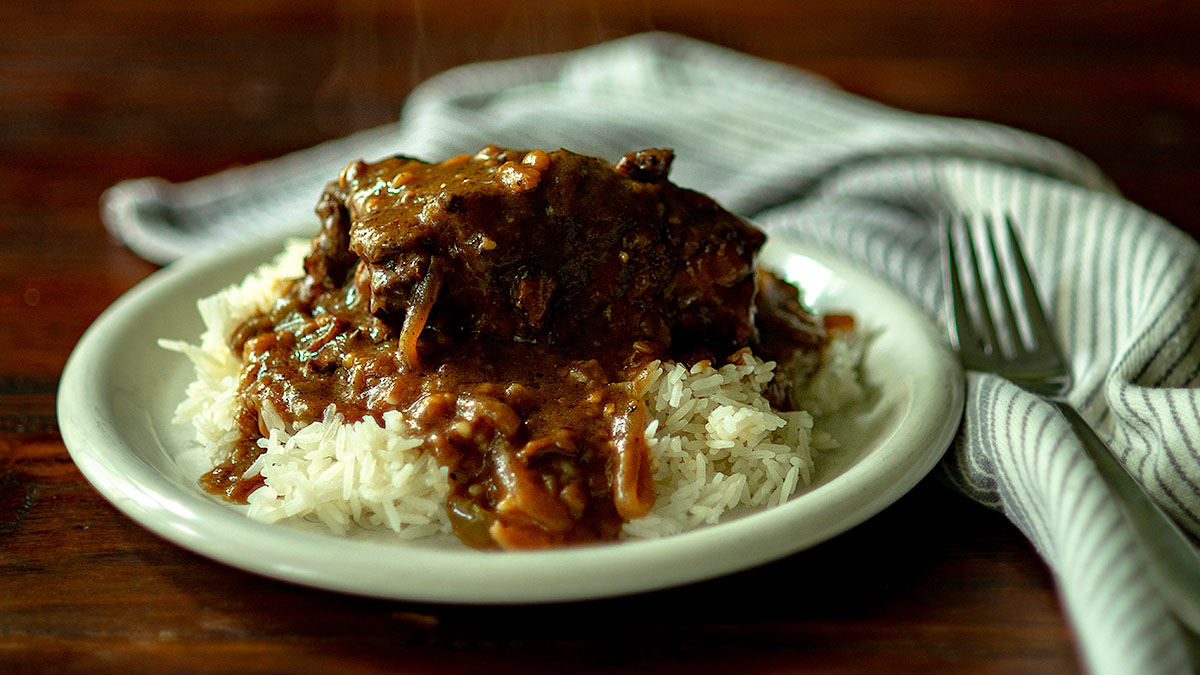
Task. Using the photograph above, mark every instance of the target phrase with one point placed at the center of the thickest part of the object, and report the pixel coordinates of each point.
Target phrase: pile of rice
(717, 446)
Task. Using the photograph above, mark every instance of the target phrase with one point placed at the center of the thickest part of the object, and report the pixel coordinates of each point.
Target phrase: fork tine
(964, 331)
(1038, 326)
(1006, 305)
(987, 325)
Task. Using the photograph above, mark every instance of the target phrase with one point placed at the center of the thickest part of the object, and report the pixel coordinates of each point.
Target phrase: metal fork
(990, 340)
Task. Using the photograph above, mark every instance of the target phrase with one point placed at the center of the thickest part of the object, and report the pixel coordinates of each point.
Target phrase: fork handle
(1173, 559)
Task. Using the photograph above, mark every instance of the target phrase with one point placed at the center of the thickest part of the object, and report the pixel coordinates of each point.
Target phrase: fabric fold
(795, 154)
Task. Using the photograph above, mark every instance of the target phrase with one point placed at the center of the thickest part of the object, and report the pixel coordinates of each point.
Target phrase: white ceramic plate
(119, 390)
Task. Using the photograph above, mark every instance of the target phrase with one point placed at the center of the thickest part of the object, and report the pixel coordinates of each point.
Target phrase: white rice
(717, 447)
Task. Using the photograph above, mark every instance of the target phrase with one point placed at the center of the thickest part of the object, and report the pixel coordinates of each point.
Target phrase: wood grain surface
(93, 93)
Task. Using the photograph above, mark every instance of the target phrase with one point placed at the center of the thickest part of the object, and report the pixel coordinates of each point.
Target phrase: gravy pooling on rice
(508, 303)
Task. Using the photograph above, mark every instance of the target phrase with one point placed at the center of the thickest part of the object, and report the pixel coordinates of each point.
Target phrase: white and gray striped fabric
(792, 152)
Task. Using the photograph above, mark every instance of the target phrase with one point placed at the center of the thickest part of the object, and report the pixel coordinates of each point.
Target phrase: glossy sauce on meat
(508, 303)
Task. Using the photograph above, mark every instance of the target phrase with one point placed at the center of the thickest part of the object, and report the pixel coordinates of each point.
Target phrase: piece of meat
(554, 248)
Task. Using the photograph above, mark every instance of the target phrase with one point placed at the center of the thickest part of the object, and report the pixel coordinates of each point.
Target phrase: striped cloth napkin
(794, 153)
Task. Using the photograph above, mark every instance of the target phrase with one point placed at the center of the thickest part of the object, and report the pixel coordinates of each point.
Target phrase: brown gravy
(507, 303)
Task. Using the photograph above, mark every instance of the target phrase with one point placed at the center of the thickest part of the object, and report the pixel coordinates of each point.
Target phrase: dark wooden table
(92, 93)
